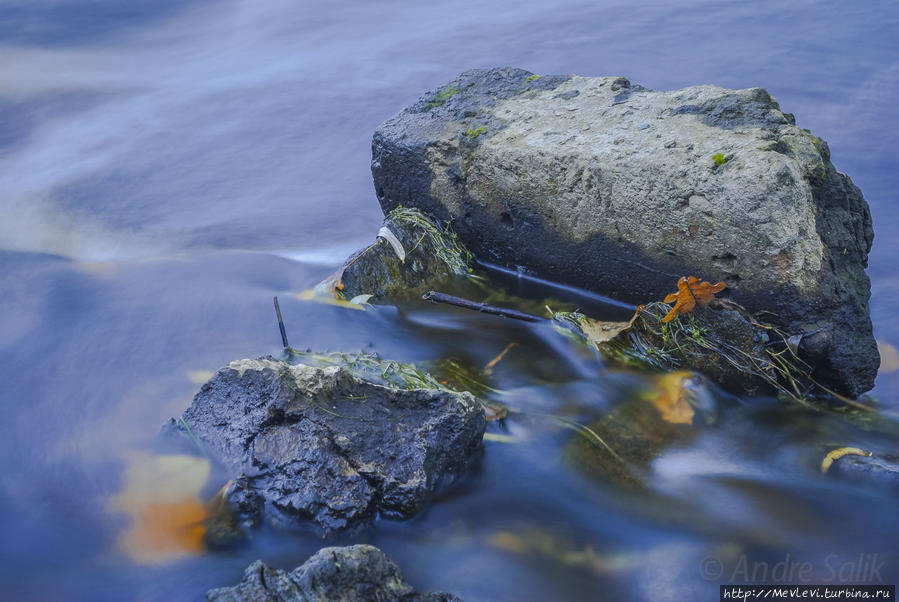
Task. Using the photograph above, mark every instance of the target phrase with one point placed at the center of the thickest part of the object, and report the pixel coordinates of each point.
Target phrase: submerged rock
(350, 573)
(321, 444)
(621, 446)
(878, 470)
(618, 189)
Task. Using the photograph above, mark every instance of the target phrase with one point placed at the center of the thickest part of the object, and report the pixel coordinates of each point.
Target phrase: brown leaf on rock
(691, 291)
(598, 331)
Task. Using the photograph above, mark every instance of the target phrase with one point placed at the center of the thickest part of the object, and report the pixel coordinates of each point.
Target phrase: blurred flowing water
(167, 167)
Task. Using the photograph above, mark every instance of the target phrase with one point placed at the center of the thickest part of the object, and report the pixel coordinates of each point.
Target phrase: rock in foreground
(352, 573)
(621, 190)
(315, 443)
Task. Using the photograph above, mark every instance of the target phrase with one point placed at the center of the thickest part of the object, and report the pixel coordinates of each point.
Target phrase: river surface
(167, 167)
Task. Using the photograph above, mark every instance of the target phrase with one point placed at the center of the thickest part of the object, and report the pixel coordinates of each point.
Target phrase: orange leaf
(161, 495)
(691, 291)
(670, 398)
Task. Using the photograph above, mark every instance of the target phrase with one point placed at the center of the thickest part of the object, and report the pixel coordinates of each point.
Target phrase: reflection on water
(165, 170)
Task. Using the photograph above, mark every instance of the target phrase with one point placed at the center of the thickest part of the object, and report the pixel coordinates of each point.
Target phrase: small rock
(320, 444)
(875, 470)
(351, 573)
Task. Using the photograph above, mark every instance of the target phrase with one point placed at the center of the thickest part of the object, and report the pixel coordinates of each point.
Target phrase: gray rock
(573, 187)
(315, 443)
(350, 573)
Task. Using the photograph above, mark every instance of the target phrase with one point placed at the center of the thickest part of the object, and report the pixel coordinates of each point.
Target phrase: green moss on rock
(473, 133)
(441, 97)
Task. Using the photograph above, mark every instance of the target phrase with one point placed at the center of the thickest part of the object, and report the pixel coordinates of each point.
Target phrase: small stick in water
(480, 307)
(281, 324)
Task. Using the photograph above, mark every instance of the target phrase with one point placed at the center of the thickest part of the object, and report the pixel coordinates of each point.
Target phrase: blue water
(167, 167)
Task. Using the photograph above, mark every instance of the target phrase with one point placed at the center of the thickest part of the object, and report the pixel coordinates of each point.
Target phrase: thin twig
(281, 325)
(479, 307)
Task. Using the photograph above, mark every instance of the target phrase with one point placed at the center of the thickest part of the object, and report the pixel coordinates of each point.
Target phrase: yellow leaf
(602, 332)
(310, 295)
(838, 453)
(670, 398)
(198, 377)
(597, 331)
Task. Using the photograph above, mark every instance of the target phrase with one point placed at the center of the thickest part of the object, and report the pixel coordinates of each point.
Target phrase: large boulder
(321, 444)
(618, 189)
(350, 573)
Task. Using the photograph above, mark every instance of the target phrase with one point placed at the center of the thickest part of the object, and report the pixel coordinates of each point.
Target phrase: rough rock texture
(612, 187)
(321, 444)
(352, 573)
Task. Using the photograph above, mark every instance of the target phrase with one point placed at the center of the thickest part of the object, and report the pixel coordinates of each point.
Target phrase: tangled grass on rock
(741, 350)
(443, 242)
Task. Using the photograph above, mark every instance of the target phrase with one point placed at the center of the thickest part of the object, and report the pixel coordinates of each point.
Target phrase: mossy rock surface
(432, 253)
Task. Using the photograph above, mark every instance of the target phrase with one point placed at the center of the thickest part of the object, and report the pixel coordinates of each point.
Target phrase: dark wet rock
(874, 470)
(351, 573)
(573, 187)
(320, 444)
(736, 350)
(432, 257)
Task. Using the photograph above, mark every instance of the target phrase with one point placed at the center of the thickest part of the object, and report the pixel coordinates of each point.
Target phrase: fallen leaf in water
(161, 496)
(691, 291)
(555, 549)
(509, 541)
(198, 377)
(499, 438)
(310, 295)
(889, 357)
(838, 453)
(670, 397)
